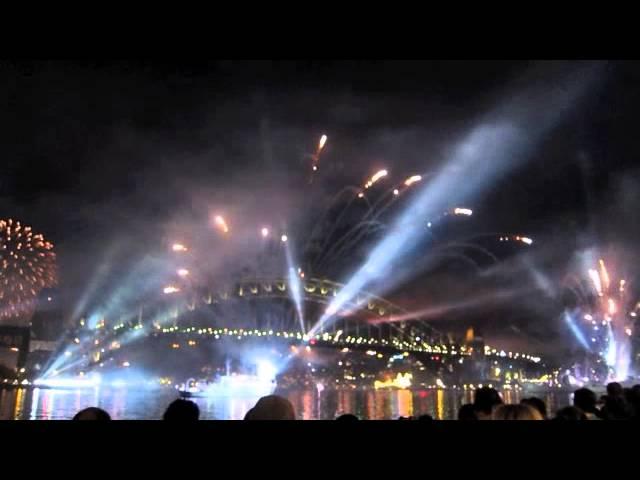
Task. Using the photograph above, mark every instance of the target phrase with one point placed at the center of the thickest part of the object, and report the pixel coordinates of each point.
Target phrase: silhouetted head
(515, 412)
(271, 407)
(585, 400)
(182, 410)
(486, 398)
(536, 403)
(628, 395)
(347, 417)
(570, 413)
(616, 407)
(425, 417)
(92, 413)
(467, 412)
(614, 389)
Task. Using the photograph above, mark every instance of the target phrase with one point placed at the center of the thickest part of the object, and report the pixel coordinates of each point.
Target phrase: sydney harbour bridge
(261, 311)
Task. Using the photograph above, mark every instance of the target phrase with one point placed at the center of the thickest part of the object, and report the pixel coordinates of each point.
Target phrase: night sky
(98, 153)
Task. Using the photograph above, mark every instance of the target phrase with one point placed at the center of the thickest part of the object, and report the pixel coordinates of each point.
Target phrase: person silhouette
(182, 410)
(92, 413)
(271, 407)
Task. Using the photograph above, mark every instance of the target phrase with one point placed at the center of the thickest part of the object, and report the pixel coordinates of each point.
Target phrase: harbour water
(149, 404)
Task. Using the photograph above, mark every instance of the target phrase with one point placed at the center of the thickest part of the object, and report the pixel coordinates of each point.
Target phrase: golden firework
(27, 265)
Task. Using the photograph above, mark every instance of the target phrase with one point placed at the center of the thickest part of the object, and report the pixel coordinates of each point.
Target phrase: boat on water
(228, 385)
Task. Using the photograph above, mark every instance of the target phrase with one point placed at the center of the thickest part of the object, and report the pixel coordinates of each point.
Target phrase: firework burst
(337, 226)
(27, 265)
(604, 319)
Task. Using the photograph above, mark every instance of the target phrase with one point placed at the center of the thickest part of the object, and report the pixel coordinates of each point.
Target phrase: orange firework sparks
(464, 211)
(28, 264)
(377, 176)
(316, 156)
(412, 179)
(604, 275)
(323, 140)
(221, 223)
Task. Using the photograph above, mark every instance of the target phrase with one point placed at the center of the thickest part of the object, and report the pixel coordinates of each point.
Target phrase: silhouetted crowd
(618, 404)
(271, 407)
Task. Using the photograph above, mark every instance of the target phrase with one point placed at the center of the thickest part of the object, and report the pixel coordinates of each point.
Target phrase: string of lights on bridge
(338, 338)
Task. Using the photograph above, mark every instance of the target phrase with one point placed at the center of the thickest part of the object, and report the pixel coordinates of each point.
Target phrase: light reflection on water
(52, 404)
